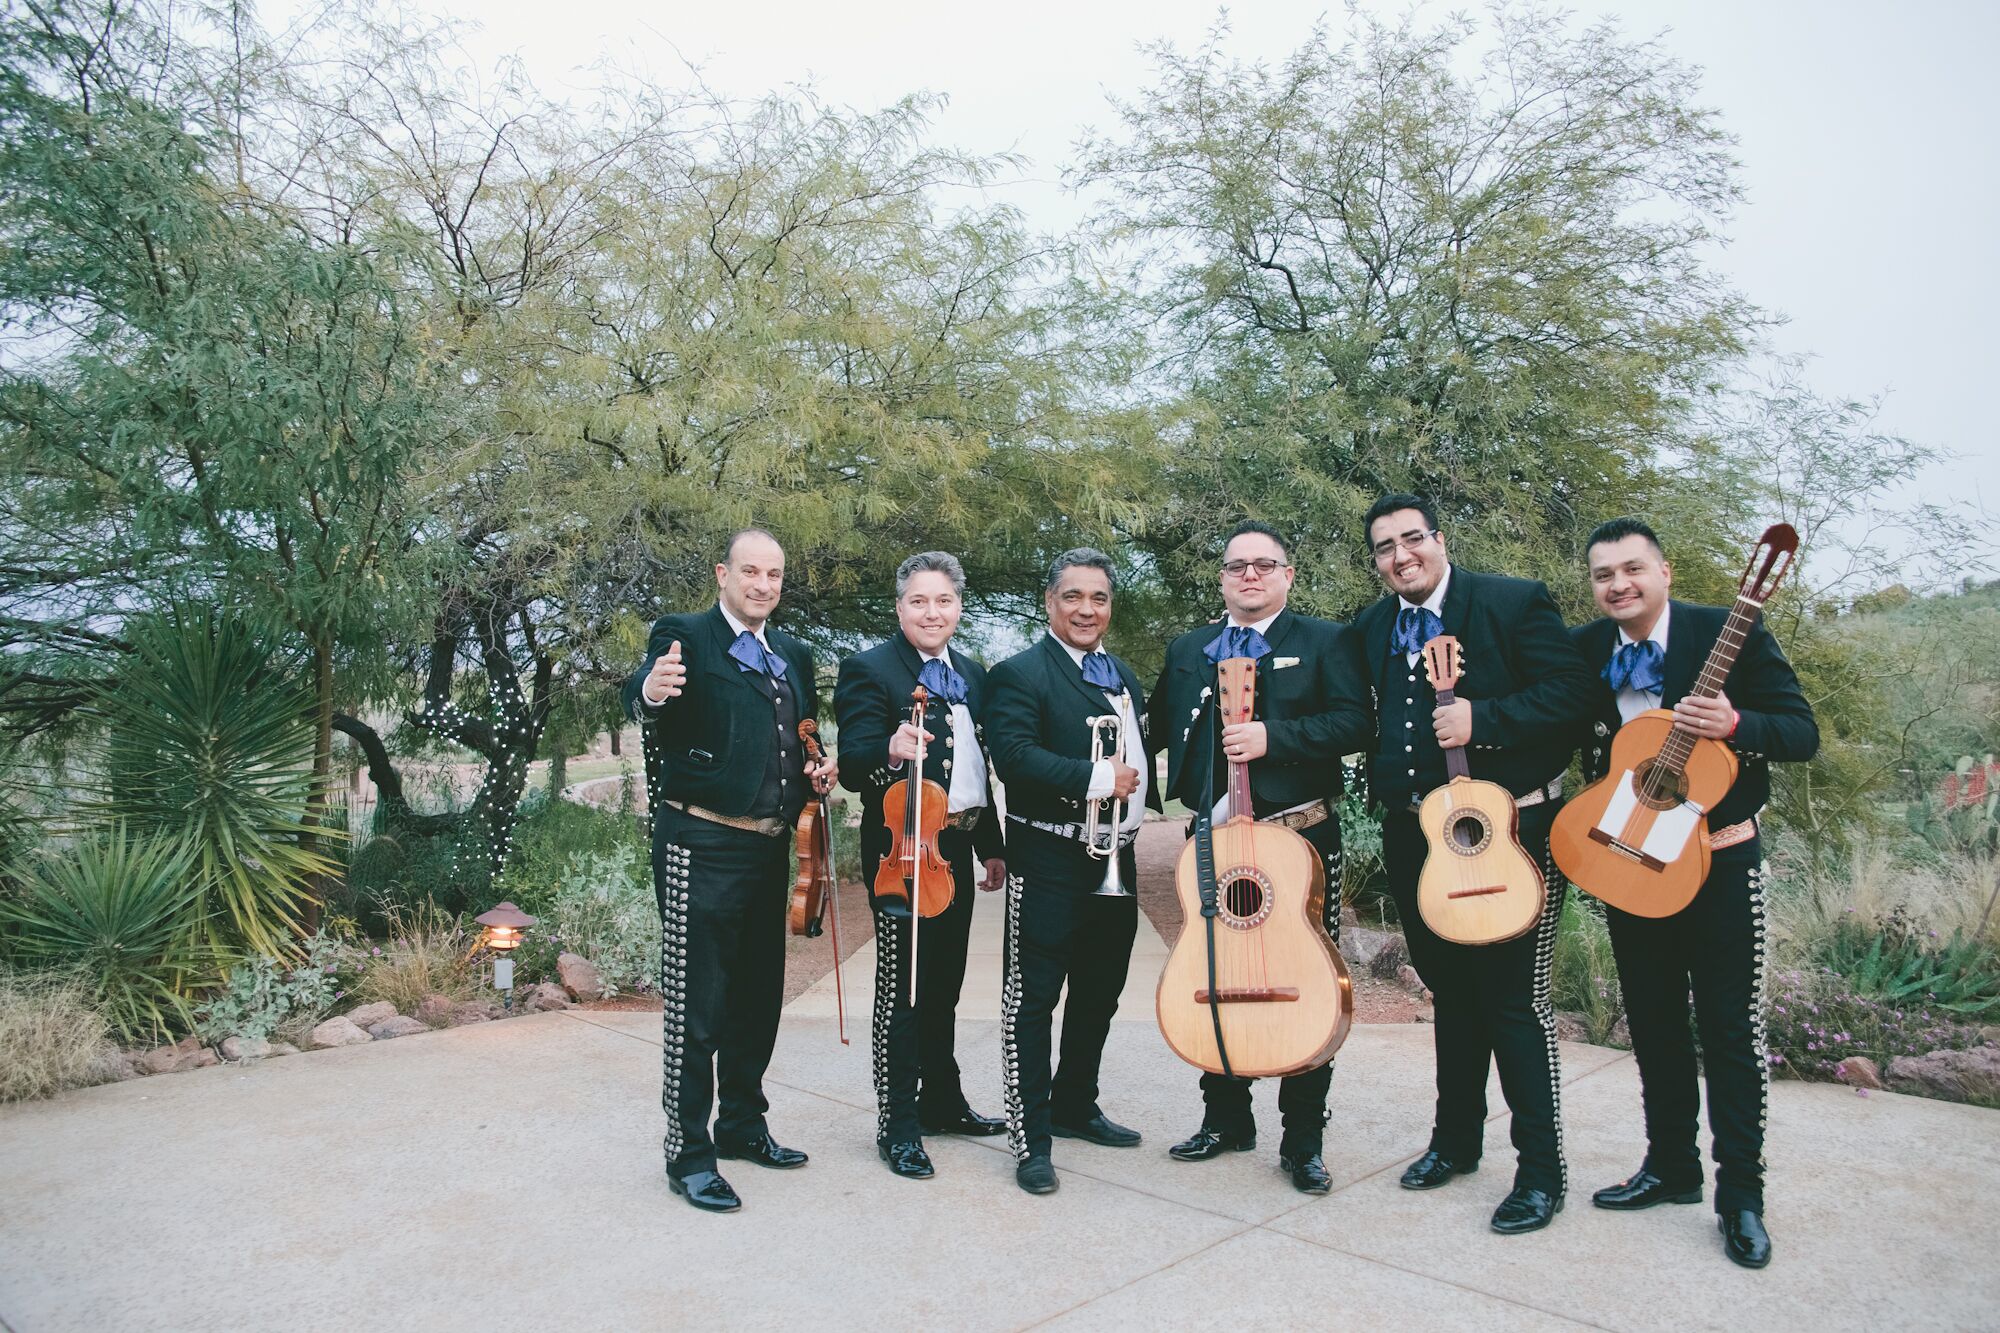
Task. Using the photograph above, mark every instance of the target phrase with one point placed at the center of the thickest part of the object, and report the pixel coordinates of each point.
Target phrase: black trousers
(1713, 947)
(1493, 1007)
(1059, 932)
(723, 895)
(915, 1050)
(1301, 1097)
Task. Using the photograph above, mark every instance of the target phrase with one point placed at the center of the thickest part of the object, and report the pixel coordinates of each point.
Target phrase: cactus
(1965, 813)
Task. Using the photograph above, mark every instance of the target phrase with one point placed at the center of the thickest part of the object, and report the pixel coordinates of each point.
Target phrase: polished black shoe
(908, 1160)
(707, 1191)
(1037, 1175)
(1434, 1169)
(1525, 1209)
(1744, 1239)
(1098, 1130)
(764, 1152)
(1309, 1175)
(1643, 1191)
(968, 1123)
(1208, 1142)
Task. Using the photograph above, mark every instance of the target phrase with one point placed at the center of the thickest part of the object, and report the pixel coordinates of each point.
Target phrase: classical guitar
(1479, 886)
(1638, 837)
(1274, 998)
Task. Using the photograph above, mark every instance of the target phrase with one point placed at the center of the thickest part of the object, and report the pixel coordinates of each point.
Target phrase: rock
(203, 1058)
(1390, 959)
(339, 1031)
(1953, 1076)
(368, 1015)
(111, 1065)
(467, 1011)
(183, 1054)
(397, 1026)
(1572, 1027)
(1424, 1014)
(283, 1048)
(245, 1048)
(1359, 944)
(541, 997)
(1621, 1035)
(579, 976)
(1858, 1071)
(435, 1011)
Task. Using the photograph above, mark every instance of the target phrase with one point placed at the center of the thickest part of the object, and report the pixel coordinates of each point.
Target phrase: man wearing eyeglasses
(1311, 707)
(1516, 715)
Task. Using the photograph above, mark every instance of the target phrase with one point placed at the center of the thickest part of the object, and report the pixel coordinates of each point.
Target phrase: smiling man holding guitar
(1648, 650)
(1515, 714)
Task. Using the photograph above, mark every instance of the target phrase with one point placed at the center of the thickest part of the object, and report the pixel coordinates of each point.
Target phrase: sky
(1865, 133)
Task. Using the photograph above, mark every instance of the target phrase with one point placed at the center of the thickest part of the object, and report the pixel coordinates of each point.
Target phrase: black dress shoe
(1309, 1175)
(1037, 1175)
(1207, 1142)
(967, 1122)
(707, 1191)
(1525, 1209)
(908, 1160)
(1434, 1169)
(1097, 1130)
(764, 1152)
(1744, 1239)
(1643, 1191)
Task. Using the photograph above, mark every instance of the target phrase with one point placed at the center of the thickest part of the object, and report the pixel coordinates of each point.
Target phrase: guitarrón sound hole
(1468, 831)
(1243, 898)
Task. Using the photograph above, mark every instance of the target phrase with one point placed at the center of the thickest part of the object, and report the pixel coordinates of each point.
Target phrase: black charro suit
(1312, 697)
(728, 743)
(1715, 945)
(1528, 687)
(1058, 930)
(913, 1048)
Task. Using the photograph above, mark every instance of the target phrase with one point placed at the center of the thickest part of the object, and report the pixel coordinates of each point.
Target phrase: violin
(915, 873)
(817, 886)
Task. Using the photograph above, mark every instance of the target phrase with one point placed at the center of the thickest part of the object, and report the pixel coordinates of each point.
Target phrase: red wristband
(1735, 721)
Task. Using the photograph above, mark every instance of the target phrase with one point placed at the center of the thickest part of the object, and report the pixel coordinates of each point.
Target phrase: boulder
(1858, 1071)
(1411, 982)
(541, 997)
(368, 1015)
(396, 1026)
(1359, 944)
(468, 1011)
(203, 1058)
(579, 977)
(1572, 1027)
(1953, 1076)
(111, 1065)
(1621, 1035)
(283, 1048)
(1390, 959)
(245, 1048)
(337, 1031)
(435, 1011)
(172, 1059)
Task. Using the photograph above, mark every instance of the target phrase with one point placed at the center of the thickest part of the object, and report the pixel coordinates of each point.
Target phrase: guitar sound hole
(1658, 787)
(1468, 831)
(1244, 898)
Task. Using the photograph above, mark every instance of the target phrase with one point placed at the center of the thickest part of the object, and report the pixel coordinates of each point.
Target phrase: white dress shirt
(968, 772)
(1102, 782)
(1631, 703)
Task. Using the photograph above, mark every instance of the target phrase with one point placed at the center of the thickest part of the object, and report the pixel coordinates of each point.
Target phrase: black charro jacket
(1037, 711)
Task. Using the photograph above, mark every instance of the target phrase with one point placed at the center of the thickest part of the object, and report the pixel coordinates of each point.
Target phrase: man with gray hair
(1061, 929)
(917, 1087)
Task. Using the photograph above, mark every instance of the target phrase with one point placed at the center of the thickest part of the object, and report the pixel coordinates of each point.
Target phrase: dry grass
(428, 952)
(1945, 894)
(50, 1036)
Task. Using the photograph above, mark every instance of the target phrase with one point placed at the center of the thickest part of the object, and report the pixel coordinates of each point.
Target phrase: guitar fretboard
(1714, 672)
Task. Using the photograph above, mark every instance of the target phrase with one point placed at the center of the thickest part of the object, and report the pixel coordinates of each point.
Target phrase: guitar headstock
(1770, 560)
(1444, 662)
(1236, 689)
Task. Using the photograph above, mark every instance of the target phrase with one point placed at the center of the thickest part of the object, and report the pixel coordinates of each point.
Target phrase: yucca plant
(207, 734)
(115, 909)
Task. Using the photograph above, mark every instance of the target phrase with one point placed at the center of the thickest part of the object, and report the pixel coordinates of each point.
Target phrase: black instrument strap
(1204, 866)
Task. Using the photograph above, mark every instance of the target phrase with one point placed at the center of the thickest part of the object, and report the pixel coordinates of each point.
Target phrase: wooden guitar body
(1478, 886)
(1644, 855)
(1286, 1000)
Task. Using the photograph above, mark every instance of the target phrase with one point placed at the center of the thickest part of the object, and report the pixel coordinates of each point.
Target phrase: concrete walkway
(507, 1175)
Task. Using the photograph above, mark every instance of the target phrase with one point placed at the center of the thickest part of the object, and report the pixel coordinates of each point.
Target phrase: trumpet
(1105, 817)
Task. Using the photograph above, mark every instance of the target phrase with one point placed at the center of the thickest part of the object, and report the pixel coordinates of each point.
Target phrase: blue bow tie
(942, 681)
(1415, 627)
(1236, 641)
(751, 655)
(1098, 671)
(1637, 666)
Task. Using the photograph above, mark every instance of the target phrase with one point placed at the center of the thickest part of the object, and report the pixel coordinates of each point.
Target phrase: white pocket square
(1280, 663)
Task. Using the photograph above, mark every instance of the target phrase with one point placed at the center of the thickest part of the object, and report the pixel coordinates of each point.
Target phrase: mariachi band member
(1524, 687)
(1648, 650)
(917, 1088)
(1060, 928)
(1311, 707)
(720, 695)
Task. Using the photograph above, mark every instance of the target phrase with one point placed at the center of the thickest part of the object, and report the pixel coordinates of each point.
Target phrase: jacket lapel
(724, 637)
(1060, 663)
(1281, 630)
(1684, 655)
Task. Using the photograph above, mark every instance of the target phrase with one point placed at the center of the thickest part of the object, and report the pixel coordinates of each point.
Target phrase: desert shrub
(262, 995)
(604, 909)
(1363, 882)
(428, 952)
(396, 874)
(50, 1034)
(1584, 974)
(551, 836)
(1899, 961)
(123, 912)
(1815, 1020)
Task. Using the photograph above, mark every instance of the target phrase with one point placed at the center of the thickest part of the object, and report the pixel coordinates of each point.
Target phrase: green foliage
(263, 994)
(120, 908)
(393, 873)
(208, 740)
(51, 1035)
(1902, 963)
(428, 952)
(1816, 1018)
(602, 907)
(553, 836)
(1584, 974)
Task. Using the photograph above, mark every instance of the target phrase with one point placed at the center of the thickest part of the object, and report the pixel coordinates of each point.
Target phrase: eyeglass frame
(1384, 549)
(1242, 567)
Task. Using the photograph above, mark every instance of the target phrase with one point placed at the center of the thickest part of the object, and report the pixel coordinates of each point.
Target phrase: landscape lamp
(504, 925)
